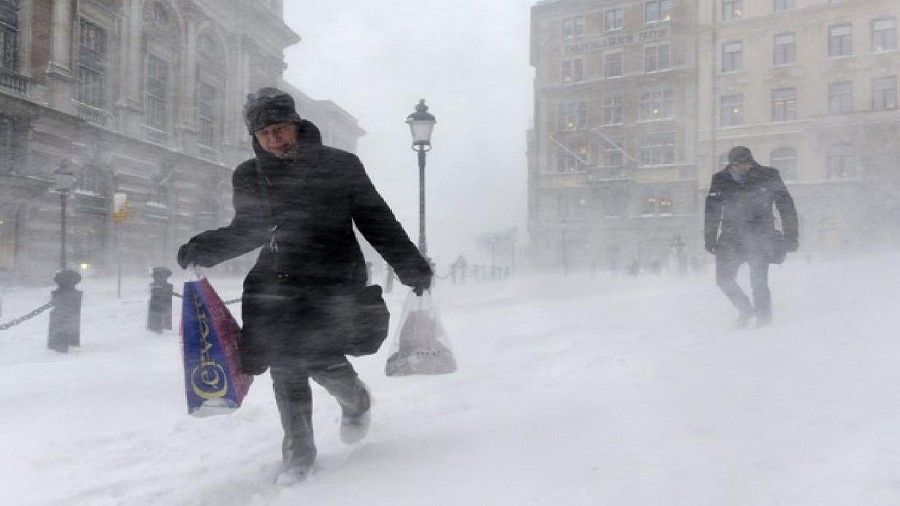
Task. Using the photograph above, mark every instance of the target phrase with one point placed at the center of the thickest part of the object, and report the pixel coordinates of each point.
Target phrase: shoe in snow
(355, 428)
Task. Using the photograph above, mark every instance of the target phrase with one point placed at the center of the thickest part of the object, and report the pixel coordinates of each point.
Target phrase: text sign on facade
(624, 39)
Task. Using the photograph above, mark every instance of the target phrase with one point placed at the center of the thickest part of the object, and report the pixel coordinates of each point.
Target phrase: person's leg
(759, 284)
(340, 380)
(294, 399)
(726, 273)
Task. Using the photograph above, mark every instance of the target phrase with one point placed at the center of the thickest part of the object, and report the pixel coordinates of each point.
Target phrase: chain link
(29, 316)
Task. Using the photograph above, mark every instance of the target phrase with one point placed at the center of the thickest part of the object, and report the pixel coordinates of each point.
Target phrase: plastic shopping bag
(421, 345)
(213, 381)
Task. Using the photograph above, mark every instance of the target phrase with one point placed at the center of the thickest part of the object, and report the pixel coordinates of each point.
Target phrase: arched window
(841, 161)
(785, 160)
(7, 146)
(9, 34)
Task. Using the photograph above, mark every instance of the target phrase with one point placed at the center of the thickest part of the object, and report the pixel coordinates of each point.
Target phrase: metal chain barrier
(27, 317)
(449, 273)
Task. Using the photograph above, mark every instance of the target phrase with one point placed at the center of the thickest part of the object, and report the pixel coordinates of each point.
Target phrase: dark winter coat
(302, 213)
(742, 210)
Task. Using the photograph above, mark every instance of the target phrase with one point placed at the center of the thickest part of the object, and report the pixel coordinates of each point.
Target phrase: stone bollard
(159, 309)
(65, 317)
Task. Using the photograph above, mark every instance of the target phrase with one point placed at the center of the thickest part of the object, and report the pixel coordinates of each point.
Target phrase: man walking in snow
(299, 200)
(740, 228)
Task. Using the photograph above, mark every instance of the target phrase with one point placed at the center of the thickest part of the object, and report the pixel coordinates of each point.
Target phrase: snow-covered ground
(570, 391)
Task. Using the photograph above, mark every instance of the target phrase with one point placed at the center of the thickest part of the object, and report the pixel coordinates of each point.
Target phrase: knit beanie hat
(268, 106)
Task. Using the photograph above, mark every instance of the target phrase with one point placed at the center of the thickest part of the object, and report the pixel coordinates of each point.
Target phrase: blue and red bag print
(213, 381)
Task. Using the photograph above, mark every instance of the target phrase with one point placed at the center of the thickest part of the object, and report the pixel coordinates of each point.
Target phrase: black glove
(711, 246)
(419, 287)
(190, 254)
(791, 245)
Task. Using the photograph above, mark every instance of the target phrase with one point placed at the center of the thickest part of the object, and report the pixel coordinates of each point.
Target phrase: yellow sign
(120, 207)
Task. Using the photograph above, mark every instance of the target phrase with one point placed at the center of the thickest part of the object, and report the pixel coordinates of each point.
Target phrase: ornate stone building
(638, 101)
(811, 87)
(144, 98)
(612, 152)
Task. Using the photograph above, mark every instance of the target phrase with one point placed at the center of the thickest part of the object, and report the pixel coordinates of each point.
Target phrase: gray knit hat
(268, 106)
(740, 154)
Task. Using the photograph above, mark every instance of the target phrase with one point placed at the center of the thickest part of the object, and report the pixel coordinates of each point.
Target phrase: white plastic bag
(420, 344)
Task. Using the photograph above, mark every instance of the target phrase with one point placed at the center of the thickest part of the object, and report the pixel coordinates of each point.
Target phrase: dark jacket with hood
(742, 208)
(301, 211)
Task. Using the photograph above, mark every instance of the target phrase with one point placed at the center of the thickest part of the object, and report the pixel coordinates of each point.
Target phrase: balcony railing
(91, 114)
(10, 80)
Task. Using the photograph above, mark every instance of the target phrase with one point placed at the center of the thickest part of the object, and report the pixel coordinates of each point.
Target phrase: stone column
(60, 69)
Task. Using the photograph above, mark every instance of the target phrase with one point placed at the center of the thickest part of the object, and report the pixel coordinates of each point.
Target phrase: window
(785, 160)
(657, 10)
(159, 13)
(91, 73)
(612, 110)
(7, 146)
(572, 156)
(840, 97)
(92, 182)
(207, 114)
(157, 92)
(731, 110)
(656, 201)
(656, 104)
(573, 70)
(9, 34)
(159, 195)
(839, 41)
(732, 9)
(884, 93)
(785, 50)
(656, 57)
(783, 5)
(612, 63)
(733, 56)
(612, 153)
(884, 34)
(841, 161)
(784, 104)
(614, 19)
(657, 149)
(573, 27)
(571, 115)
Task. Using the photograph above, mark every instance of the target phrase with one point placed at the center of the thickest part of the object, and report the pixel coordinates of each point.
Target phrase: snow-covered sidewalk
(570, 391)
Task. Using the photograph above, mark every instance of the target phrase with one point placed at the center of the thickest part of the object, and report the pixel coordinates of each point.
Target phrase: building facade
(612, 160)
(811, 87)
(638, 101)
(142, 99)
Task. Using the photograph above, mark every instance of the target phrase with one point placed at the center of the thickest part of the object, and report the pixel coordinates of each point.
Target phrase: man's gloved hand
(189, 254)
(711, 246)
(419, 287)
(791, 244)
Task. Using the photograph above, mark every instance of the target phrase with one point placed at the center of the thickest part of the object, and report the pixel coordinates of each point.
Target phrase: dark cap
(268, 106)
(740, 154)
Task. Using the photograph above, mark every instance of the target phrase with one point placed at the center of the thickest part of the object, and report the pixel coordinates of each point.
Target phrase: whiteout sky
(469, 60)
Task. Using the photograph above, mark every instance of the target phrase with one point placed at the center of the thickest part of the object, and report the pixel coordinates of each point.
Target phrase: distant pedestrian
(740, 228)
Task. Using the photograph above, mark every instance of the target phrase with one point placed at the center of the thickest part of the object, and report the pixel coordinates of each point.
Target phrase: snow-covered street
(570, 391)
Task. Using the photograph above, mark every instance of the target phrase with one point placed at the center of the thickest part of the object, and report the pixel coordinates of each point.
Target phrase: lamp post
(421, 123)
(63, 183)
(65, 317)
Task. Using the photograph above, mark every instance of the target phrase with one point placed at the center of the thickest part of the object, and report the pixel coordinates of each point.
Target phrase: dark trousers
(727, 264)
(294, 399)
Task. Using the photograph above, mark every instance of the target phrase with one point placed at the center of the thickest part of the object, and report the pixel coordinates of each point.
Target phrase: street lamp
(63, 183)
(421, 123)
